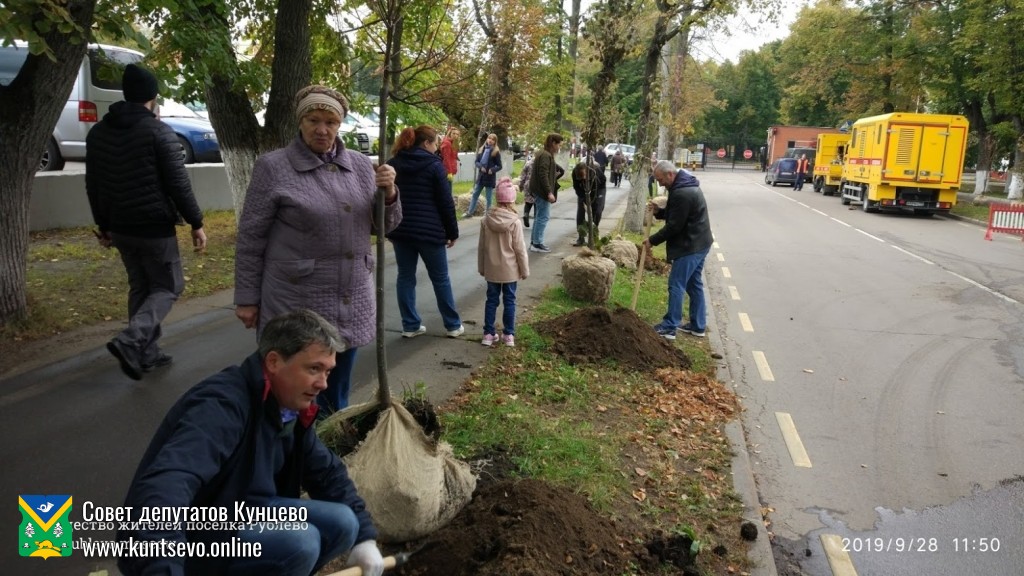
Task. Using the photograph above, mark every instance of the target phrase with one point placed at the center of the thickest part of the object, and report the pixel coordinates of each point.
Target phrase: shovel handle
(389, 563)
(649, 216)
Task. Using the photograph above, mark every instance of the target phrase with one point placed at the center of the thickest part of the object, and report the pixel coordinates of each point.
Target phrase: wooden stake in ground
(649, 216)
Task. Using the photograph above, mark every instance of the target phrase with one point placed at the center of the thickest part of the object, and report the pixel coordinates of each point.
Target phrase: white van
(97, 86)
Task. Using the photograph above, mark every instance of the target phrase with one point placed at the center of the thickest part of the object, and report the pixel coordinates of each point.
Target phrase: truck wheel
(866, 204)
(818, 184)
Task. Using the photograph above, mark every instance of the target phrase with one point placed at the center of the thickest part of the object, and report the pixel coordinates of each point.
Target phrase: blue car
(198, 140)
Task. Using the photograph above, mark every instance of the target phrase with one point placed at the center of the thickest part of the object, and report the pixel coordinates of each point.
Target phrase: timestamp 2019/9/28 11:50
(920, 544)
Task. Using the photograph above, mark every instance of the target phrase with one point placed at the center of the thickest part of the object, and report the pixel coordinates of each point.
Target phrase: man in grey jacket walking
(137, 185)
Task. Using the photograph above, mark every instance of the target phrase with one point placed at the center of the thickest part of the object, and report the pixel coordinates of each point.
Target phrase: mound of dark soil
(593, 334)
(652, 263)
(525, 527)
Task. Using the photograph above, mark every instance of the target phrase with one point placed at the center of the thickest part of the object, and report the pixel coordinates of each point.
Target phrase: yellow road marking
(721, 257)
(838, 559)
(762, 366)
(725, 272)
(745, 322)
(792, 438)
(734, 293)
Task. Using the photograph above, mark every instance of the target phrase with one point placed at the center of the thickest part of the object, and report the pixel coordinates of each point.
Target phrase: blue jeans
(496, 291)
(435, 259)
(339, 382)
(332, 531)
(488, 193)
(542, 213)
(685, 277)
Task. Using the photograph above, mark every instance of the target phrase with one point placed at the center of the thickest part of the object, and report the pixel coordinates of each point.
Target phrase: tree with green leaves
(513, 31)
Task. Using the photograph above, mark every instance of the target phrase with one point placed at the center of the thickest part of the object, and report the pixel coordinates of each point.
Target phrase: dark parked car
(782, 171)
(198, 140)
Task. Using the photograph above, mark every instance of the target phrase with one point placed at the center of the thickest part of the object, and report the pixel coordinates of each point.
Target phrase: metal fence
(737, 154)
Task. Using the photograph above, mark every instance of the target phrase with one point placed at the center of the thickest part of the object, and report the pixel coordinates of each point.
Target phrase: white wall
(59, 200)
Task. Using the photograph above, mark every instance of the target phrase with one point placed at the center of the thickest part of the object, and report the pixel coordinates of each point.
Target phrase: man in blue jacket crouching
(223, 474)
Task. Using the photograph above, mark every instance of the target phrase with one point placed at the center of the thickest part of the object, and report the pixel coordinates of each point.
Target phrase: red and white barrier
(1005, 218)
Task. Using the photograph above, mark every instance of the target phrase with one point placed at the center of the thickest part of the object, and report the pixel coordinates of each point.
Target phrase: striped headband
(317, 101)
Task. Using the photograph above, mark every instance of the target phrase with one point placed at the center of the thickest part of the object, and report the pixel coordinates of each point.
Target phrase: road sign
(748, 154)
(721, 153)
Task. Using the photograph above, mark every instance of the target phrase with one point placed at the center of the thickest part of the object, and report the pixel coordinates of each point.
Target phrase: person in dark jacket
(601, 157)
(687, 237)
(488, 164)
(427, 230)
(544, 188)
(589, 182)
(241, 445)
(137, 186)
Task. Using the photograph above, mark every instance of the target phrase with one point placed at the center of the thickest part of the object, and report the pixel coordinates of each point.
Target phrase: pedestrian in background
(589, 183)
(652, 184)
(427, 230)
(247, 435)
(618, 163)
(137, 186)
(687, 237)
(304, 234)
(488, 164)
(450, 154)
(544, 187)
(601, 157)
(801, 172)
(502, 261)
(524, 186)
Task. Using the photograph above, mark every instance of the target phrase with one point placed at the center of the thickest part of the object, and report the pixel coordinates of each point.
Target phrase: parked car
(782, 171)
(96, 87)
(198, 140)
(365, 124)
(628, 150)
(198, 108)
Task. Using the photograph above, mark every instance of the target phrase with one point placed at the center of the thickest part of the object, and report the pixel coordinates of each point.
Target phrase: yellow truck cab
(828, 162)
(905, 161)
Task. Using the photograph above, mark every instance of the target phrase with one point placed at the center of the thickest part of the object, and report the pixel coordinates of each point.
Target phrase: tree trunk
(574, 38)
(1015, 186)
(633, 221)
(29, 108)
(240, 137)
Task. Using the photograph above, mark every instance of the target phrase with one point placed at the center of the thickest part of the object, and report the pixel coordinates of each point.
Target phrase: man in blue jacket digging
(223, 474)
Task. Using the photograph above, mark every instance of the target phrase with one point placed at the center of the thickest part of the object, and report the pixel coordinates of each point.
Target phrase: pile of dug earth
(516, 527)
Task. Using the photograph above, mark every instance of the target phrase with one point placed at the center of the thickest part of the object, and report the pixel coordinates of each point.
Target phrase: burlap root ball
(622, 252)
(588, 276)
(462, 203)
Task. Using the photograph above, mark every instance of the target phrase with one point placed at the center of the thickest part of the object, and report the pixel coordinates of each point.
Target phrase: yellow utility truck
(828, 162)
(905, 161)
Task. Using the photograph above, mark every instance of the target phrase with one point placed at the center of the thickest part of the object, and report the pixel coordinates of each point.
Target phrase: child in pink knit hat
(502, 261)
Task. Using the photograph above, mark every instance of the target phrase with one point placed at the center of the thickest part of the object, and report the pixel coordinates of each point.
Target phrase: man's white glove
(367, 556)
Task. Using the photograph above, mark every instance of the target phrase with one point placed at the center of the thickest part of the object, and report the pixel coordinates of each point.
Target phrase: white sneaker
(457, 332)
(421, 330)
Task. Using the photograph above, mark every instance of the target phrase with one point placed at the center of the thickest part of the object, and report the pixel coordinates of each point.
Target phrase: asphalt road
(78, 426)
(880, 361)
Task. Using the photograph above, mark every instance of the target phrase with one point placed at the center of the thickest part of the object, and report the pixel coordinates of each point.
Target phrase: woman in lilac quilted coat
(304, 234)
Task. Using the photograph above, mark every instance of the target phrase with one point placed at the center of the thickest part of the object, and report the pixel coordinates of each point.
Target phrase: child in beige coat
(502, 261)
